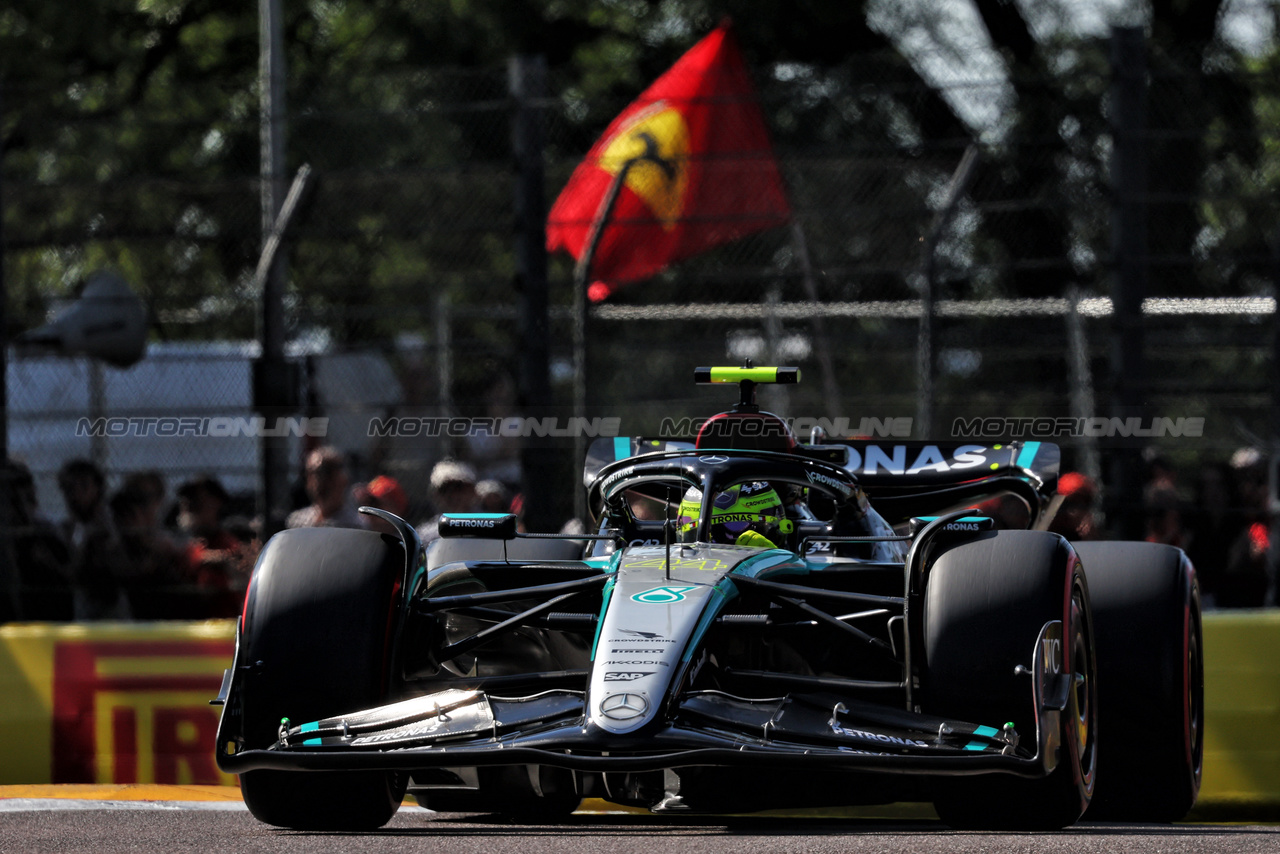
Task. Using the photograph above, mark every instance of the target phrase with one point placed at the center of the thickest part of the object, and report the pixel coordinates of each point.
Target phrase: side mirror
(494, 526)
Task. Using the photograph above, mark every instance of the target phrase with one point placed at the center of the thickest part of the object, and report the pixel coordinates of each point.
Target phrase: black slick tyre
(317, 618)
(1146, 604)
(986, 602)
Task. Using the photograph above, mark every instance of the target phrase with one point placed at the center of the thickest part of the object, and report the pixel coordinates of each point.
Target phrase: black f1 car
(755, 623)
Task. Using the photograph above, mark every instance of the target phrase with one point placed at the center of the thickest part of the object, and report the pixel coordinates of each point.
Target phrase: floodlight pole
(539, 470)
(270, 376)
(926, 342)
(581, 279)
(1272, 598)
(4, 318)
(1129, 273)
(1082, 400)
(10, 600)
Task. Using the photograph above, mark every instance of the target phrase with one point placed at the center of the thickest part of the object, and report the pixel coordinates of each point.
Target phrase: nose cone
(654, 615)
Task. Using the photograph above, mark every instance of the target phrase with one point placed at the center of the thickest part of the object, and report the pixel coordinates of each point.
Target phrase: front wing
(462, 728)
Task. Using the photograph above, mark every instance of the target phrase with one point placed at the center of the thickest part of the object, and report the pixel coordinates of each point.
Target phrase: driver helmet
(748, 514)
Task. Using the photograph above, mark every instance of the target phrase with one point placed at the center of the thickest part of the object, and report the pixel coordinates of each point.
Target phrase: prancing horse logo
(653, 146)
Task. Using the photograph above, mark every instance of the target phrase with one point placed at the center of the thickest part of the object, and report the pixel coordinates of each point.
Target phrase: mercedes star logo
(713, 460)
(623, 707)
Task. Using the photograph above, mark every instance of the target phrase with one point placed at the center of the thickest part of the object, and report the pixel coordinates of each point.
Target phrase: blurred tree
(131, 139)
(126, 127)
(1049, 153)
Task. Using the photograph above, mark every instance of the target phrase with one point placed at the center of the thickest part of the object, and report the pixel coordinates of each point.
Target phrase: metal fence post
(10, 604)
(269, 393)
(4, 307)
(1129, 280)
(927, 334)
(527, 80)
(444, 364)
(1272, 598)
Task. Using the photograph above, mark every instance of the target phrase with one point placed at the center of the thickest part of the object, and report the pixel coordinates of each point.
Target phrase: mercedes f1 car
(756, 622)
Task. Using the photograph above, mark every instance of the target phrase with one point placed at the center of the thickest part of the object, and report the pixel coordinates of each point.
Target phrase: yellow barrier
(1242, 708)
(112, 702)
(128, 703)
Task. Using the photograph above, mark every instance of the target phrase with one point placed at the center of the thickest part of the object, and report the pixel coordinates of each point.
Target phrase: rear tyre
(1146, 603)
(317, 618)
(986, 602)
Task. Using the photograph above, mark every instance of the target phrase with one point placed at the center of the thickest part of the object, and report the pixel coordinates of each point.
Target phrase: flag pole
(581, 280)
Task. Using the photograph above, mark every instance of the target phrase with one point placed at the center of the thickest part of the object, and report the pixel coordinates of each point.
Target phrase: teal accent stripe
(621, 447)
(723, 591)
(757, 565)
(984, 732)
(311, 727)
(604, 606)
(1027, 454)
(961, 519)
(477, 515)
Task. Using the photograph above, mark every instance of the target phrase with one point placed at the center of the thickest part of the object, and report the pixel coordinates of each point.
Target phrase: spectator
(93, 542)
(1244, 584)
(1076, 519)
(83, 490)
(1214, 525)
(218, 562)
(1163, 515)
(517, 507)
(327, 486)
(1008, 510)
(150, 487)
(147, 491)
(493, 496)
(1161, 474)
(149, 565)
(41, 558)
(453, 489)
(385, 493)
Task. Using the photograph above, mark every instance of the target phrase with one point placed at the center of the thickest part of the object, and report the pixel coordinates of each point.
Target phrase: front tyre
(316, 627)
(986, 602)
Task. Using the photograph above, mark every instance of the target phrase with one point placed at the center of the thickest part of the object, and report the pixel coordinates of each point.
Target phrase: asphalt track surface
(182, 819)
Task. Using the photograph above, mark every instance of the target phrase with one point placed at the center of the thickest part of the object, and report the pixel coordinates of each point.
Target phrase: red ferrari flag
(698, 171)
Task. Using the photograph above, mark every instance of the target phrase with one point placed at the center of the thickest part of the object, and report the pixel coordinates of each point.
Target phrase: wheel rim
(1083, 698)
(1195, 700)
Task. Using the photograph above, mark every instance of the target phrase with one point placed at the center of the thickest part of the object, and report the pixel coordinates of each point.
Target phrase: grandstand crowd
(138, 553)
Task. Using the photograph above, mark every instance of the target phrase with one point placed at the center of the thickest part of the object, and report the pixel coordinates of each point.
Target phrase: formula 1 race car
(755, 623)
